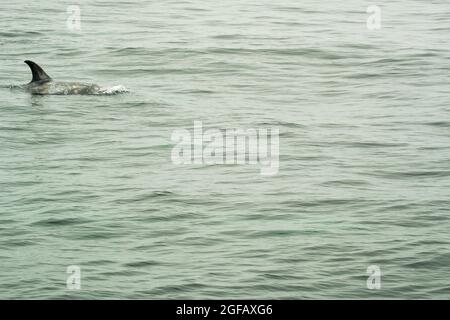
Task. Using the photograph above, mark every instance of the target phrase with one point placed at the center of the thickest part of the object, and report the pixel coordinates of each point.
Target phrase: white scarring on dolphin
(43, 84)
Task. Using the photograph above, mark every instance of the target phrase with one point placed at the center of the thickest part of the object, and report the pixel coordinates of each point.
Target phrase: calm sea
(88, 182)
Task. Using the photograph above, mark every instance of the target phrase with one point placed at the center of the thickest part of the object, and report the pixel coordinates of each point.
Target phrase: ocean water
(364, 142)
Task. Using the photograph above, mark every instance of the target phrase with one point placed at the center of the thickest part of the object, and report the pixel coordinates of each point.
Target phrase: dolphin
(43, 84)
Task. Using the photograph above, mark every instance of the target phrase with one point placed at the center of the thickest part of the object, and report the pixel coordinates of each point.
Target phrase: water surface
(364, 172)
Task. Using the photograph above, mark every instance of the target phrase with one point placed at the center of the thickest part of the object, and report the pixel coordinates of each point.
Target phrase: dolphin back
(43, 84)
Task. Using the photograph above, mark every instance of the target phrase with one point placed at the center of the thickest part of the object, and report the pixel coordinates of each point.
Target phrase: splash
(113, 90)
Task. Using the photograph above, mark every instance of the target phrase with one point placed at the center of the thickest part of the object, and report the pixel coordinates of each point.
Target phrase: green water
(364, 171)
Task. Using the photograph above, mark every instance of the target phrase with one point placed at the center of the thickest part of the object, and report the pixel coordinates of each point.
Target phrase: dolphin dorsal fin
(38, 73)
